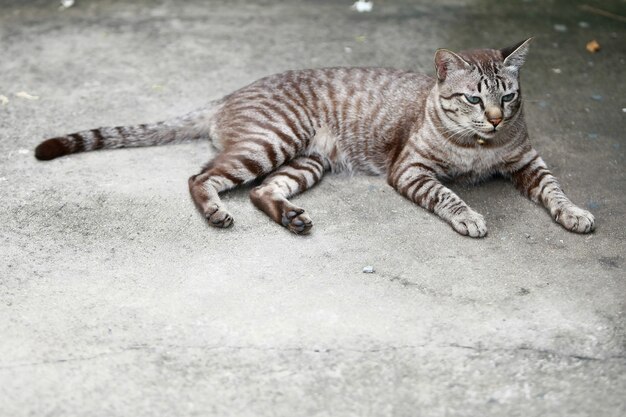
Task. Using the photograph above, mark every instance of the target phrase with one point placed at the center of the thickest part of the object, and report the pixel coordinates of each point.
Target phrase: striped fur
(190, 126)
(291, 128)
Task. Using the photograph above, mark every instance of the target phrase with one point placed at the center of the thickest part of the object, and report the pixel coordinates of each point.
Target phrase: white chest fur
(474, 163)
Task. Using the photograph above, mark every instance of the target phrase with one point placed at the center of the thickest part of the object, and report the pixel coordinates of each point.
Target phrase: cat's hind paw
(575, 219)
(469, 223)
(297, 221)
(219, 217)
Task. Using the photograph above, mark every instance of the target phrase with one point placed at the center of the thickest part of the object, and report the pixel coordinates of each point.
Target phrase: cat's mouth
(487, 131)
(487, 134)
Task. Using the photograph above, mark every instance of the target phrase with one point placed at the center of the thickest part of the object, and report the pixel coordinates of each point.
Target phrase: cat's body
(292, 127)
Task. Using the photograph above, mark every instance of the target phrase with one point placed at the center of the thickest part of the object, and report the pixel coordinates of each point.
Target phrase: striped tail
(190, 126)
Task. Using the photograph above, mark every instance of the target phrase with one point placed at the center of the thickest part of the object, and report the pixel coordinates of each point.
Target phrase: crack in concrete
(66, 360)
(546, 352)
(148, 348)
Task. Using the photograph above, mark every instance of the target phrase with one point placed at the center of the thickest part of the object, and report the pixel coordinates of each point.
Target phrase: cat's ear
(447, 61)
(515, 56)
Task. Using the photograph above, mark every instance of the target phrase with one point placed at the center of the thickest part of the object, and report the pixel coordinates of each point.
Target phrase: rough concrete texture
(117, 299)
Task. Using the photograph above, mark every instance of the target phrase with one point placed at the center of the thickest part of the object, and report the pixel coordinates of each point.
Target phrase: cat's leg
(205, 188)
(237, 165)
(531, 176)
(417, 181)
(292, 178)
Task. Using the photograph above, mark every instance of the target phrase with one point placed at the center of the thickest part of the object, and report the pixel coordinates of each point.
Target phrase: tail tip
(50, 149)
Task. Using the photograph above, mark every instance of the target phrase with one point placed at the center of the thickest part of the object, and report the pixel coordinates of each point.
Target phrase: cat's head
(479, 90)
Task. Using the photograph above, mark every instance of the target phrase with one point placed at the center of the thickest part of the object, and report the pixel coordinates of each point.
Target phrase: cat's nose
(495, 121)
(494, 115)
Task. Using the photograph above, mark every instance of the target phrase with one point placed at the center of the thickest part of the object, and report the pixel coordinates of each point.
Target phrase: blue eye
(508, 97)
(472, 99)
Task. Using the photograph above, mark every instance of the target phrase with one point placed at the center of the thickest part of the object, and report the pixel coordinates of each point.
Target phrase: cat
(291, 128)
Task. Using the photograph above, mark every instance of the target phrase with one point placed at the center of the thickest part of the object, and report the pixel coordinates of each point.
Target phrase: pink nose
(495, 121)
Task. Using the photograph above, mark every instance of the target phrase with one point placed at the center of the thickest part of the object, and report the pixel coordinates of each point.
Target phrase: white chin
(487, 135)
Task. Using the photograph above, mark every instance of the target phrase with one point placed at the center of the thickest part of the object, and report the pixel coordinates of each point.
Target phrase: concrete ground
(116, 299)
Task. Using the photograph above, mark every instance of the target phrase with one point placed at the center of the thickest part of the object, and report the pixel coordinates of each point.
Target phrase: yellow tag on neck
(480, 141)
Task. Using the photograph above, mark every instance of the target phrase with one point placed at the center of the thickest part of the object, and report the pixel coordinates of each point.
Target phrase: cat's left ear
(515, 56)
(447, 61)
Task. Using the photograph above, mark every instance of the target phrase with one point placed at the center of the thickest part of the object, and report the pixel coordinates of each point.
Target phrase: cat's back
(354, 115)
(342, 82)
(342, 99)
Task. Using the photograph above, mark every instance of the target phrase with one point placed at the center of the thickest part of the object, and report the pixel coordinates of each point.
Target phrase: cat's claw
(297, 221)
(218, 217)
(469, 223)
(575, 219)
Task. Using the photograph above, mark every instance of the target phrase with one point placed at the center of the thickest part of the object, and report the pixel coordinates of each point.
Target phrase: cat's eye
(472, 99)
(508, 97)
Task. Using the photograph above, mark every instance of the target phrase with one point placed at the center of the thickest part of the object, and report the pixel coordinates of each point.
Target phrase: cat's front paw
(469, 223)
(575, 219)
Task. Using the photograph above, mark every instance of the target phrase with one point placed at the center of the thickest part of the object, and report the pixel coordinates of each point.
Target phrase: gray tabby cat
(292, 127)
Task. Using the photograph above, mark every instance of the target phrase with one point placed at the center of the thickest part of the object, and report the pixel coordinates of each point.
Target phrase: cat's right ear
(515, 56)
(447, 61)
